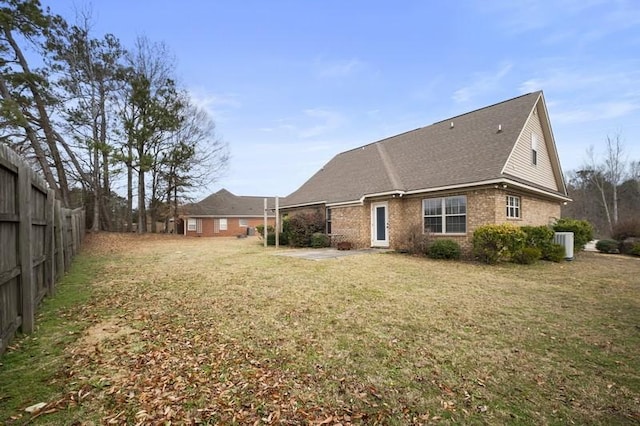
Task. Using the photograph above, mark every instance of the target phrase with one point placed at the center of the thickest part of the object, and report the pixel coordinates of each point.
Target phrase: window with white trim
(243, 223)
(223, 224)
(191, 224)
(445, 215)
(328, 221)
(534, 149)
(513, 207)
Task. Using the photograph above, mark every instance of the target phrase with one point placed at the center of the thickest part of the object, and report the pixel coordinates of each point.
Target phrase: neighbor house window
(446, 215)
(219, 225)
(513, 207)
(191, 224)
(243, 223)
(328, 221)
(199, 226)
(534, 149)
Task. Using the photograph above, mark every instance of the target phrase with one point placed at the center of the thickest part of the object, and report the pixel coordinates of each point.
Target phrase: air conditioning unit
(565, 239)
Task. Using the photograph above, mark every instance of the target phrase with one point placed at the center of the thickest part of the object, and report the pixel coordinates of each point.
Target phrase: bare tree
(607, 175)
(196, 158)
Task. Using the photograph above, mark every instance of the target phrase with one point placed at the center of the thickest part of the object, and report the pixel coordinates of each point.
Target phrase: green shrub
(626, 246)
(284, 240)
(318, 239)
(302, 226)
(260, 229)
(528, 255)
(556, 253)
(540, 237)
(607, 246)
(444, 249)
(582, 231)
(635, 250)
(629, 228)
(495, 243)
(271, 239)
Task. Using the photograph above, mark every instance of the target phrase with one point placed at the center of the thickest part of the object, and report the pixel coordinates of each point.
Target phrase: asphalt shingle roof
(473, 150)
(224, 203)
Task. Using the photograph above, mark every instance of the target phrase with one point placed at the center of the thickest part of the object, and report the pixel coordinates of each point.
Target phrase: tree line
(606, 190)
(88, 112)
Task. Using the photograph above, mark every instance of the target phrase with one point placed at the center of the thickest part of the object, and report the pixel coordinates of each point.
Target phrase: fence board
(38, 239)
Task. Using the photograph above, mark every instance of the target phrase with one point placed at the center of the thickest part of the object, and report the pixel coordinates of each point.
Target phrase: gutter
(505, 183)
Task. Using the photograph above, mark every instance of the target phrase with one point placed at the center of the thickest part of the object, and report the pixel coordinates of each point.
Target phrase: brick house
(495, 165)
(224, 214)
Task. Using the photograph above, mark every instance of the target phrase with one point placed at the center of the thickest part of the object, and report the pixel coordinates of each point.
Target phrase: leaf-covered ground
(220, 331)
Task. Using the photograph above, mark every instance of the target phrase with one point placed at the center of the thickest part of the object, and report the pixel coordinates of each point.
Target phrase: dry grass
(222, 331)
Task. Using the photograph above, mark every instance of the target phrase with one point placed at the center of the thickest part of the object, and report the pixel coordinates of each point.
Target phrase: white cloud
(217, 105)
(337, 68)
(329, 120)
(594, 112)
(482, 82)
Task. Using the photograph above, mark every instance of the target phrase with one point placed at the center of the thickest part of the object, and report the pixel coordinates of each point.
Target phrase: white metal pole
(277, 224)
(266, 232)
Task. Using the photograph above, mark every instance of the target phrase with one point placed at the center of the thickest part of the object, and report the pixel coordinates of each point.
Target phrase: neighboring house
(224, 214)
(495, 165)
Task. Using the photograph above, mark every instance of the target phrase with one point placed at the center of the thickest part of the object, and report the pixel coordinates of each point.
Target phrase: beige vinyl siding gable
(520, 162)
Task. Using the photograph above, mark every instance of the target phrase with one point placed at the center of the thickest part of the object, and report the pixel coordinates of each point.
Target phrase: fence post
(60, 240)
(24, 242)
(50, 243)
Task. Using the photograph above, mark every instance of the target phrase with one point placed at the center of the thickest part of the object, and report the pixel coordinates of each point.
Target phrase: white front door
(380, 224)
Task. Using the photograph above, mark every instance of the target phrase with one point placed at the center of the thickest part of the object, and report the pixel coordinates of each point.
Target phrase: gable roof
(456, 152)
(224, 203)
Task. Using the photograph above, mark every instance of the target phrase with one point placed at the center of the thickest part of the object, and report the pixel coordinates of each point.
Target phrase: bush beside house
(525, 245)
(582, 231)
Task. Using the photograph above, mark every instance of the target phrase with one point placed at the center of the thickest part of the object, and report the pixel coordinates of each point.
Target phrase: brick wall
(484, 206)
(233, 226)
(348, 224)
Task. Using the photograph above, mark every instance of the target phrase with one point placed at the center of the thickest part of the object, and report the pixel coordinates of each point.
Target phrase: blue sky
(290, 84)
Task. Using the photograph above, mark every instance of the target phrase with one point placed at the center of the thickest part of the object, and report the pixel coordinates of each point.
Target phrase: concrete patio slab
(325, 253)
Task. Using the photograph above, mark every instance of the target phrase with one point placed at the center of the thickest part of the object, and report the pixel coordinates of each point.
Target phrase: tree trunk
(615, 205)
(153, 206)
(43, 120)
(95, 227)
(35, 143)
(142, 213)
(106, 185)
(129, 212)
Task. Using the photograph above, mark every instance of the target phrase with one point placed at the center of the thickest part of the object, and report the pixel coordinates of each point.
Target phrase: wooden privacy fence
(38, 239)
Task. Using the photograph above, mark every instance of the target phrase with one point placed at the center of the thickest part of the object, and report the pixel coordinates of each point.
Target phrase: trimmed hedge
(556, 253)
(497, 243)
(319, 239)
(608, 246)
(271, 239)
(528, 255)
(540, 237)
(444, 249)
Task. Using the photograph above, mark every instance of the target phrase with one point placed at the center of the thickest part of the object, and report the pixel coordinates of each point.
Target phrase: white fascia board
(503, 181)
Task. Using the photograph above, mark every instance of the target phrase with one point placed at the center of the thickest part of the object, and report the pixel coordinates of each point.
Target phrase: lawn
(220, 331)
